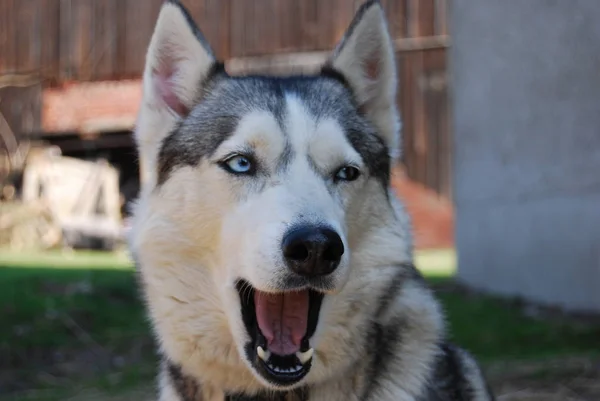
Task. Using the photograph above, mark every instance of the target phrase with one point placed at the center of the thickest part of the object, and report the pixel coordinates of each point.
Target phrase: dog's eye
(238, 164)
(347, 173)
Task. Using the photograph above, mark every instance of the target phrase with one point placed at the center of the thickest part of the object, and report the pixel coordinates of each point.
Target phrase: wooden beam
(19, 80)
(304, 62)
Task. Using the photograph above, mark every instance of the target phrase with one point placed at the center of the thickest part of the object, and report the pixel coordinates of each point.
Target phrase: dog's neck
(292, 395)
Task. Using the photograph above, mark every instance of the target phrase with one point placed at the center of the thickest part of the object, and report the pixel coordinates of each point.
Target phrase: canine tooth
(306, 355)
(299, 367)
(276, 369)
(262, 354)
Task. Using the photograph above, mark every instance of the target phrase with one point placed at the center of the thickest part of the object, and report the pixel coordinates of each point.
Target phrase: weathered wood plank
(92, 39)
(49, 34)
(28, 35)
(105, 39)
(65, 38)
(8, 36)
(426, 18)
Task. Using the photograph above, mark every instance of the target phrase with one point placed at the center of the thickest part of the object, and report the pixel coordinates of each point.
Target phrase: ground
(74, 329)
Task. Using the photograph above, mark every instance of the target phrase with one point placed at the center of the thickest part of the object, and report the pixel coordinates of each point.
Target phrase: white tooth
(298, 368)
(306, 355)
(262, 354)
(276, 369)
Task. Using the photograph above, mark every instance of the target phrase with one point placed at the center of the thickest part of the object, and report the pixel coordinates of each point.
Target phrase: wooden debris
(82, 197)
(28, 226)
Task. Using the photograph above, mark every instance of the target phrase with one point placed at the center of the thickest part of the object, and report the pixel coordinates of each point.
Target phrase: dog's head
(256, 191)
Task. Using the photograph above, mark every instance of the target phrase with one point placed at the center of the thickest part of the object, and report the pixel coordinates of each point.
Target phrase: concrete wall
(526, 99)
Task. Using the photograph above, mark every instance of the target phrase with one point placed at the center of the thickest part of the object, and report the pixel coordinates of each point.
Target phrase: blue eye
(238, 164)
(347, 173)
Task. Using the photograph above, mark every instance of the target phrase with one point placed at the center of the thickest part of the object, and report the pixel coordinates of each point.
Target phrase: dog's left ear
(365, 58)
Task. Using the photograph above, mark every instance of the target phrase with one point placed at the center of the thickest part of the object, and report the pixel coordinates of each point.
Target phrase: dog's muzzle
(280, 324)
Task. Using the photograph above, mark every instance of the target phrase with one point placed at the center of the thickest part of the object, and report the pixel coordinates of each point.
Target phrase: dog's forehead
(292, 103)
(321, 96)
(312, 114)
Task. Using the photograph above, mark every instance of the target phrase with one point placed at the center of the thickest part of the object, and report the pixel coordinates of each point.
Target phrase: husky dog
(275, 261)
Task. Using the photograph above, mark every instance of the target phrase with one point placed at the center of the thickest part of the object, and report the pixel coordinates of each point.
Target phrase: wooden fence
(88, 40)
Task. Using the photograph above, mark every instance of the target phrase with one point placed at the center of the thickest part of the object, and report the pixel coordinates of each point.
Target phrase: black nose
(312, 251)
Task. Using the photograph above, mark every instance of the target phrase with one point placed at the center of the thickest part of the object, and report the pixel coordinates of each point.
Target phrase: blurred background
(500, 172)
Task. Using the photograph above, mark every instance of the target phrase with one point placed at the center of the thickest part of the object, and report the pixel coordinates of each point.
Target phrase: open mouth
(280, 326)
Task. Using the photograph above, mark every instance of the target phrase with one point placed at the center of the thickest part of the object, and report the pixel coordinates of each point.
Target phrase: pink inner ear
(163, 81)
(372, 69)
(372, 65)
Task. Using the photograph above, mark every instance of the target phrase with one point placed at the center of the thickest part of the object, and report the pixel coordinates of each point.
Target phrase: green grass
(494, 329)
(73, 321)
(66, 260)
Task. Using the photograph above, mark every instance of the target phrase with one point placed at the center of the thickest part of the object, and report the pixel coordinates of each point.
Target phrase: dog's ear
(365, 57)
(178, 60)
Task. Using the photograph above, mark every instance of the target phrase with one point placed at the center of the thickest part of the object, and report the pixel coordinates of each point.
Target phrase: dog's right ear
(177, 62)
(178, 59)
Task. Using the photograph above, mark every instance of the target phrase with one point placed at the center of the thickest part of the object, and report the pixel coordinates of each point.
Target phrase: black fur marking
(300, 394)
(189, 142)
(458, 387)
(187, 388)
(330, 72)
(405, 271)
(386, 337)
(449, 381)
(374, 153)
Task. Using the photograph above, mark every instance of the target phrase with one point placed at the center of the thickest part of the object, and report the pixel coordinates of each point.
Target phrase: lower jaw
(279, 370)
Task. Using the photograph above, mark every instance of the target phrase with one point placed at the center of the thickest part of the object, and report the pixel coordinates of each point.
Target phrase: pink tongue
(282, 319)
